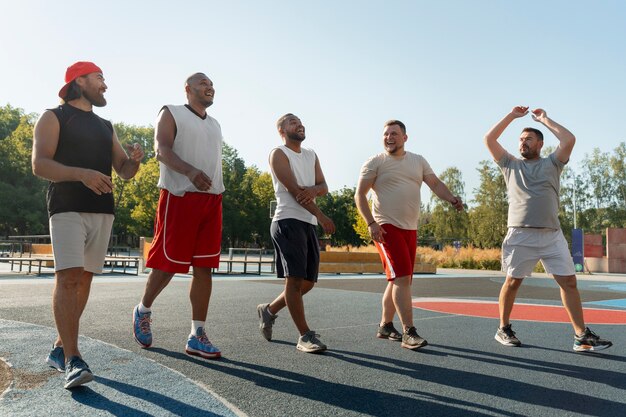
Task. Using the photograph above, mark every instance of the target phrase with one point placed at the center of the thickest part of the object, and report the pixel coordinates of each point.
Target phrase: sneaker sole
(135, 336)
(53, 364)
(382, 336)
(310, 350)
(201, 354)
(414, 347)
(589, 348)
(266, 336)
(505, 343)
(81, 379)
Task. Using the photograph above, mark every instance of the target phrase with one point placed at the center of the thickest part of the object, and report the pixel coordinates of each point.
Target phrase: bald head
(194, 78)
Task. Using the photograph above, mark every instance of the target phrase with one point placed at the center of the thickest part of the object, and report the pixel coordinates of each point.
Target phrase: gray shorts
(523, 247)
(80, 240)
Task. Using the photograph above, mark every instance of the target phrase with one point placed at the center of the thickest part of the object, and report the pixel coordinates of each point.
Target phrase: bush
(465, 258)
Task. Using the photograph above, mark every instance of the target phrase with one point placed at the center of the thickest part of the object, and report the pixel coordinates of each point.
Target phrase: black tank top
(86, 141)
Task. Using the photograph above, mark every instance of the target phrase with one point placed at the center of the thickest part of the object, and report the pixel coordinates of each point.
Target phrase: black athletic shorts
(297, 249)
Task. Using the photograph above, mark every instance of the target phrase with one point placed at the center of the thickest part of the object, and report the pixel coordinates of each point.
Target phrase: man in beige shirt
(395, 178)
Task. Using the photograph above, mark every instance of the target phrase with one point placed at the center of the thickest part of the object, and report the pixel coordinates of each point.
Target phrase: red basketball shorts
(187, 232)
(397, 253)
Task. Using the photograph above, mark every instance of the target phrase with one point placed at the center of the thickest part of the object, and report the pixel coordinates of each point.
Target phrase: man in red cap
(75, 150)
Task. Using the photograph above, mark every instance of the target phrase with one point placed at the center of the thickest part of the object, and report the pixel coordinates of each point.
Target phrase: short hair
(281, 121)
(535, 131)
(73, 92)
(397, 123)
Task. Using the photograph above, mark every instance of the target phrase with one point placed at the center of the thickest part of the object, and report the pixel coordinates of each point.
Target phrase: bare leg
(293, 299)
(68, 302)
(571, 301)
(508, 292)
(279, 303)
(157, 281)
(200, 293)
(389, 308)
(82, 294)
(401, 294)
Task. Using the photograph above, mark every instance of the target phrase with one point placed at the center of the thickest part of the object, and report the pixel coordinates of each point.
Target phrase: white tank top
(199, 143)
(303, 167)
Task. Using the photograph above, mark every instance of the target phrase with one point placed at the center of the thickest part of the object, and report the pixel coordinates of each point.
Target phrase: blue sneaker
(199, 345)
(141, 328)
(77, 373)
(56, 358)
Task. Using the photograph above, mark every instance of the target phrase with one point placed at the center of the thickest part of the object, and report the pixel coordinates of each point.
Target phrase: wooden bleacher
(41, 256)
(363, 263)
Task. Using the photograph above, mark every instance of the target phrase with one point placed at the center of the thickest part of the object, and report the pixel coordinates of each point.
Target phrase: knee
(69, 278)
(569, 284)
(512, 283)
(307, 286)
(402, 282)
(294, 284)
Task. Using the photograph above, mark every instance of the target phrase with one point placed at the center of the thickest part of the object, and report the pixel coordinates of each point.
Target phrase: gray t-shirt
(533, 190)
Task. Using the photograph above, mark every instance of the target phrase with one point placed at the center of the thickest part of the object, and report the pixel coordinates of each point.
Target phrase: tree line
(593, 196)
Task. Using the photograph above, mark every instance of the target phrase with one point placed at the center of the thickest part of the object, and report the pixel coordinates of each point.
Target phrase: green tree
(618, 173)
(339, 206)
(136, 199)
(488, 219)
(260, 191)
(596, 175)
(236, 217)
(23, 208)
(448, 224)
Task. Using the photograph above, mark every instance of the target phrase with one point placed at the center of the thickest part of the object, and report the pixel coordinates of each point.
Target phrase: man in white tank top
(298, 179)
(534, 230)
(188, 225)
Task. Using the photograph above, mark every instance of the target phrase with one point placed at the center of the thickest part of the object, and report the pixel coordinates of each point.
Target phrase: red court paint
(528, 312)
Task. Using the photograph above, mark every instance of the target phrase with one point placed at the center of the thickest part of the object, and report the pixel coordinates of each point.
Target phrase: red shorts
(397, 253)
(187, 232)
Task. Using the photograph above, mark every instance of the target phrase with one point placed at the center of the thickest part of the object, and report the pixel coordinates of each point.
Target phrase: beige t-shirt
(397, 184)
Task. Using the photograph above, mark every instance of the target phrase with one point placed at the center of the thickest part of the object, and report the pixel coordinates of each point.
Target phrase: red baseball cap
(77, 70)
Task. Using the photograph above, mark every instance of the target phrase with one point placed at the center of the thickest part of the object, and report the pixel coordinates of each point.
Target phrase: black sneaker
(387, 331)
(589, 342)
(77, 373)
(411, 340)
(506, 336)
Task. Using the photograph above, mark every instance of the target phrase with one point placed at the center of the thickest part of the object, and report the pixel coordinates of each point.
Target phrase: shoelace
(204, 339)
(412, 332)
(144, 324)
(590, 335)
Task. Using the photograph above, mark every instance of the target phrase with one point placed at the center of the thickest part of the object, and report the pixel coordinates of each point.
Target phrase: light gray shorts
(80, 240)
(523, 247)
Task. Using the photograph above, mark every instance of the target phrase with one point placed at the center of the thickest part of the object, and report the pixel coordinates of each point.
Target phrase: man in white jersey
(298, 179)
(395, 177)
(534, 231)
(188, 225)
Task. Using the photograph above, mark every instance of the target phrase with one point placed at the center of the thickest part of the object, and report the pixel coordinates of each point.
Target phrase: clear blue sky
(448, 69)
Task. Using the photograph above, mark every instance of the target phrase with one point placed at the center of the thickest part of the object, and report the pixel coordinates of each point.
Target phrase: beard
(529, 153)
(206, 102)
(296, 136)
(96, 100)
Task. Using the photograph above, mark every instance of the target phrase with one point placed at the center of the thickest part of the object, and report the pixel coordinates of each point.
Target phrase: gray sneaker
(77, 373)
(590, 342)
(56, 358)
(388, 331)
(266, 320)
(412, 340)
(506, 336)
(309, 343)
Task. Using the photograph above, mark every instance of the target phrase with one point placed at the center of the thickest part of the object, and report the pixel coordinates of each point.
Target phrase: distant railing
(249, 256)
